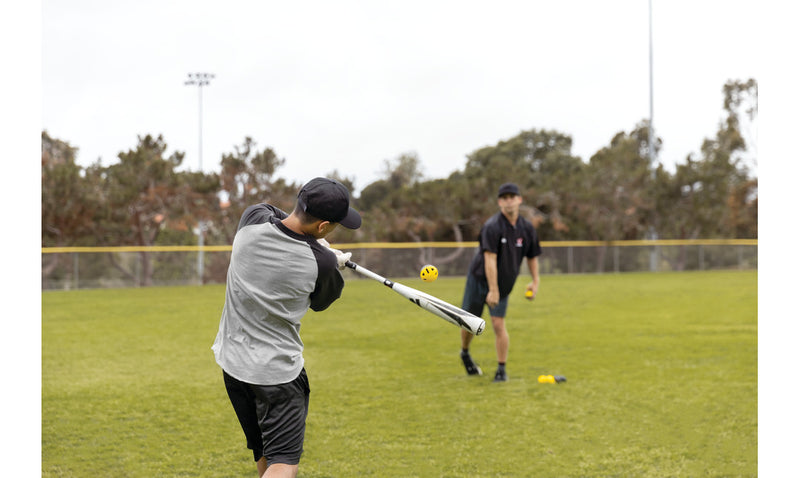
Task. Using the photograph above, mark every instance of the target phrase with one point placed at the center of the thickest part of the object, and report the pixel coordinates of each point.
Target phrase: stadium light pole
(201, 80)
(650, 143)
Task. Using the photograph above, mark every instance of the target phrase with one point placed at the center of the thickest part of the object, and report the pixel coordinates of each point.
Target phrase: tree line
(144, 199)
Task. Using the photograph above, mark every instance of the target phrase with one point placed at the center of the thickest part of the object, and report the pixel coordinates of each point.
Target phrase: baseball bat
(448, 312)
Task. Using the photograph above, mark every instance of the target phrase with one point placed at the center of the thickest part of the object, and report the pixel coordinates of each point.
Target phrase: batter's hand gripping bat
(448, 312)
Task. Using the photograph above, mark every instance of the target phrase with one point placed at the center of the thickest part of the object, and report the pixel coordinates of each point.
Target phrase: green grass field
(661, 368)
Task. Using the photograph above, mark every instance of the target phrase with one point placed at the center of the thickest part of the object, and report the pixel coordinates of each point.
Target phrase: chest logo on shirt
(503, 240)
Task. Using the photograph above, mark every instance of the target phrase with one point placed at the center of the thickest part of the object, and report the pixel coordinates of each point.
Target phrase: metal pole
(650, 142)
(569, 260)
(200, 79)
(200, 255)
(702, 258)
(200, 129)
(651, 152)
(200, 223)
(75, 270)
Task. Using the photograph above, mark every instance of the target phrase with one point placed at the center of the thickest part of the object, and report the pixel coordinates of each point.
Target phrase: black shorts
(474, 299)
(273, 417)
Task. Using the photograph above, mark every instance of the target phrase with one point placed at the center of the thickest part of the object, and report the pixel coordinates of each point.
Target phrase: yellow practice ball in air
(529, 293)
(429, 273)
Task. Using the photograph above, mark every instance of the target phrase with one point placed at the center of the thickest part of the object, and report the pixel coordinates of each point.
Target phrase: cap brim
(352, 220)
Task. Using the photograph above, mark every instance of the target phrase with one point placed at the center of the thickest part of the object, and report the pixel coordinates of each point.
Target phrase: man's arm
(490, 267)
(533, 265)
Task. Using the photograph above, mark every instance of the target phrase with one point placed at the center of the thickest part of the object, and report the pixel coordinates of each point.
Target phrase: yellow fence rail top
(416, 245)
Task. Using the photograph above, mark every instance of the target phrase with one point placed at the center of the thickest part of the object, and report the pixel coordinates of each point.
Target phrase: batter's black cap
(329, 200)
(508, 188)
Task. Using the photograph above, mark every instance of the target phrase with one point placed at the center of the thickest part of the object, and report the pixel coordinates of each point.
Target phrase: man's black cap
(508, 188)
(329, 200)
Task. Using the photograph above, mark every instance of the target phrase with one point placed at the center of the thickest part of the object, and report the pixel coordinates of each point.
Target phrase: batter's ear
(325, 227)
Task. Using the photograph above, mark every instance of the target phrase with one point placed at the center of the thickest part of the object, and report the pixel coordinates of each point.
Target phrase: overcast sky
(346, 85)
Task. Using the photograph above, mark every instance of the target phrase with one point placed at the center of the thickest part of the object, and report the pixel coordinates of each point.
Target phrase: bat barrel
(434, 305)
(445, 310)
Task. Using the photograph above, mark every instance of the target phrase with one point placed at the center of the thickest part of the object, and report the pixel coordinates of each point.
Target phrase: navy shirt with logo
(511, 244)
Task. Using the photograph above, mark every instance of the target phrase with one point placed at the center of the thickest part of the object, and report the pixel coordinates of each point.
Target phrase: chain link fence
(91, 268)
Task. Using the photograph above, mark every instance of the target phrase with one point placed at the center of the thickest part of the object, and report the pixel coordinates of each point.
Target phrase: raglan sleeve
(329, 283)
(259, 214)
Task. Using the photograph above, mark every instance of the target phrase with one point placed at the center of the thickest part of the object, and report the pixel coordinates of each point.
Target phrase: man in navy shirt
(506, 238)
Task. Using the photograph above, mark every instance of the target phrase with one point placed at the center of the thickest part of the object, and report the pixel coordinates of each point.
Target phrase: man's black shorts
(273, 417)
(474, 299)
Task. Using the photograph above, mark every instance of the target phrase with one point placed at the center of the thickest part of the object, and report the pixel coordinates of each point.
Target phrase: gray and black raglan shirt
(275, 276)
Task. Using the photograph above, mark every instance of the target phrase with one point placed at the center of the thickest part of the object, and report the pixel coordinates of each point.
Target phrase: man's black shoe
(471, 367)
(500, 375)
